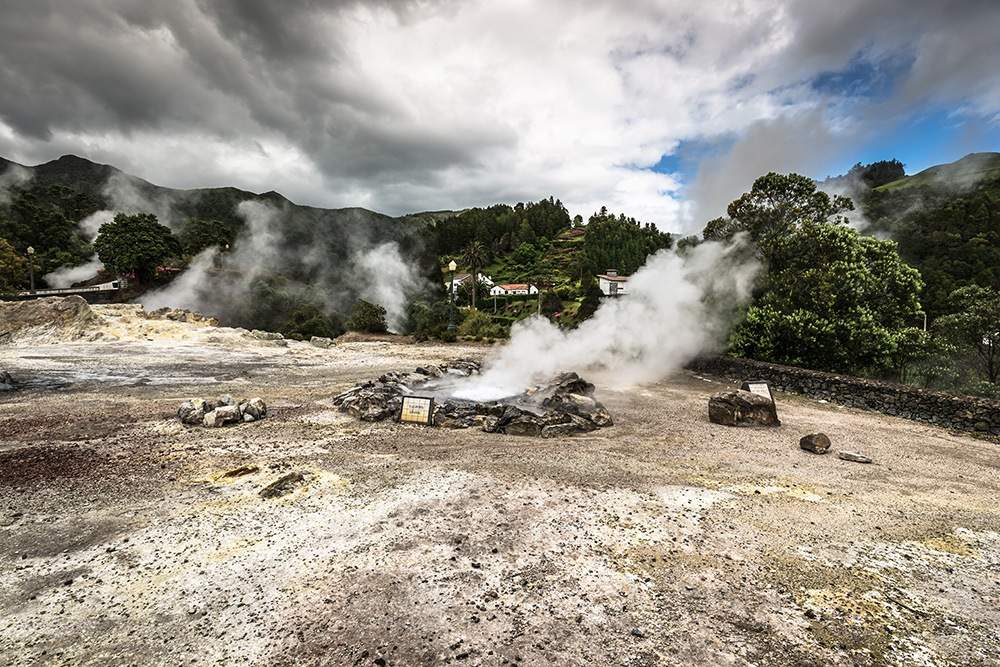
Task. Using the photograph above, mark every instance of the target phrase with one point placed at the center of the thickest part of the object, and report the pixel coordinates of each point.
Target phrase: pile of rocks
(563, 406)
(221, 411)
(181, 315)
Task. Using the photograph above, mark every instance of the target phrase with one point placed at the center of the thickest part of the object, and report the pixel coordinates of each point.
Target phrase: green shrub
(367, 318)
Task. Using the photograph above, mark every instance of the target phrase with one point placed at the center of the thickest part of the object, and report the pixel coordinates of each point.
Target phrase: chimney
(611, 272)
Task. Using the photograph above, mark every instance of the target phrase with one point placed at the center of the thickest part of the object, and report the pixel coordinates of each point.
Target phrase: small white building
(513, 289)
(610, 283)
(461, 278)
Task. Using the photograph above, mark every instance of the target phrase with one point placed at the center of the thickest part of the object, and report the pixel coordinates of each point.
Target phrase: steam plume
(12, 177)
(314, 264)
(676, 307)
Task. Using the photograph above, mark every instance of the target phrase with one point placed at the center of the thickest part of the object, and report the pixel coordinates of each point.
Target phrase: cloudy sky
(664, 109)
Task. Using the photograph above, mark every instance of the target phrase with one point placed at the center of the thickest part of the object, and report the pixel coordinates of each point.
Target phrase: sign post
(761, 388)
(416, 410)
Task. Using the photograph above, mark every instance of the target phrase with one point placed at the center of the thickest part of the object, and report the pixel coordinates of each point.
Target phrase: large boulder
(741, 408)
(61, 317)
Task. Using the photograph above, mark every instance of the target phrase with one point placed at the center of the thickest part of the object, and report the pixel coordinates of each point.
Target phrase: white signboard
(759, 388)
(417, 410)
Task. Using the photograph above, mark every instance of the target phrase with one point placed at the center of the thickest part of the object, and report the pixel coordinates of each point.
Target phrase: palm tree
(474, 256)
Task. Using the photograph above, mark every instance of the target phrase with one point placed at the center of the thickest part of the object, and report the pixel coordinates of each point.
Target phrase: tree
(135, 244)
(470, 291)
(834, 300)
(474, 257)
(367, 317)
(619, 242)
(200, 233)
(776, 205)
(13, 267)
(309, 320)
(975, 328)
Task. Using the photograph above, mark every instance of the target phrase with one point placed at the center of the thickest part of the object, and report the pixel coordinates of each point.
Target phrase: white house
(611, 283)
(460, 278)
(513, 289)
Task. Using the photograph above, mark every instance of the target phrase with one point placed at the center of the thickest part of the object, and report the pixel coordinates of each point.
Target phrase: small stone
(636, 632)
(817, 443)
(853, 456)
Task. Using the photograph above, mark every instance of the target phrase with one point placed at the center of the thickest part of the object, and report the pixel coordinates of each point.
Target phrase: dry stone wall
(964, 413)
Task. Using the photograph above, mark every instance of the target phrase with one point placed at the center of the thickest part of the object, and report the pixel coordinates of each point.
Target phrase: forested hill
(946, 220)
(41, 207)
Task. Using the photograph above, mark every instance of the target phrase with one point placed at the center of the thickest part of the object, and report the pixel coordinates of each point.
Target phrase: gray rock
(192, 411)
(523, 425)
(817, 443)
(266, 335)
(741, 408)
(853, 456)
(222, 415)
(321, 342)
(255, 409)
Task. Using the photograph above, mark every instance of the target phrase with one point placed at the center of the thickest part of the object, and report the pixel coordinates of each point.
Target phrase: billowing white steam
(12, 177)
(67, 276)
(378, 274)
(183, 291)
(386, 279)
(676, 306)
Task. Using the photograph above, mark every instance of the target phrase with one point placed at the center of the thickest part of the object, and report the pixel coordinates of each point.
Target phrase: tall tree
(474, 257)
(135, 244)
(832, 299)
(13, 267)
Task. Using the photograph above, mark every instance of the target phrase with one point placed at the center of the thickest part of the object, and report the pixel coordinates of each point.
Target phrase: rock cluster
(742, 408)
(181, 315)
(564, 406)
(221, 412)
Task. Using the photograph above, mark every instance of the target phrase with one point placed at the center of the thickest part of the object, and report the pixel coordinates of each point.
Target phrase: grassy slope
(971, 168)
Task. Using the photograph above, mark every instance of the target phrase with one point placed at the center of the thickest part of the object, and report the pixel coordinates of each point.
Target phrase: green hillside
(966, 171)
(946, 220)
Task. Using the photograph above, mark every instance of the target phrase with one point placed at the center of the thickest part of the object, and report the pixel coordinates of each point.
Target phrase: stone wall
(964, 413)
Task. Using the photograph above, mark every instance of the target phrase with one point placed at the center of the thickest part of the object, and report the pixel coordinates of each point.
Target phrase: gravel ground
(664, 540)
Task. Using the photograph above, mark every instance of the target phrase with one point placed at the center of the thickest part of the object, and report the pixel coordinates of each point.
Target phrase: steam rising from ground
(223, 284)
(67, 276)
(676, 307)
(12, 177)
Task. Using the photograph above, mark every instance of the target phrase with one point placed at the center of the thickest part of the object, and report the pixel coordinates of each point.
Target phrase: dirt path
(663, 540)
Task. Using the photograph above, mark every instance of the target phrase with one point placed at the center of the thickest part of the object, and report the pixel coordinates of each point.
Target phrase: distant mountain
(946, 220)
(312, 251)
(967, 171)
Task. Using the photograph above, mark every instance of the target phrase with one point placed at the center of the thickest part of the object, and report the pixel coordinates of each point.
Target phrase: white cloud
(404, 105)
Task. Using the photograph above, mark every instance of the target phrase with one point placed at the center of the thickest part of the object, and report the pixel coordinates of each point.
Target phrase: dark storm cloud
(235, 86)
(222, 68)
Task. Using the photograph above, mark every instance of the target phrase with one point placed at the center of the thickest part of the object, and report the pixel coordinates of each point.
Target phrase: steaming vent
(565, 405)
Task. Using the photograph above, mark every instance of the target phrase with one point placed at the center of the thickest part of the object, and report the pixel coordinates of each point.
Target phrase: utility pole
(451, 311)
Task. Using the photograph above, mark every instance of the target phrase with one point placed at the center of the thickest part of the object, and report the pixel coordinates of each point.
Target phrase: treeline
(502, 228)
(620, 242)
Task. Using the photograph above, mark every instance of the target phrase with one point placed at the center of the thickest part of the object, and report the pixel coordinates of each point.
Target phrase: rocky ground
(127, 538)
